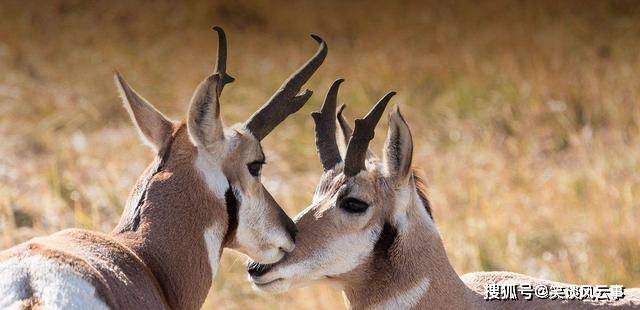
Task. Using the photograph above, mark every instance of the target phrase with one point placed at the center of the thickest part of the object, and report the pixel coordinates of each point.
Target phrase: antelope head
(359, 207)
(204, 162)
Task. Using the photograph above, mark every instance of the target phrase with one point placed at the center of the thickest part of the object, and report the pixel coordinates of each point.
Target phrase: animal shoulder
(75, 269)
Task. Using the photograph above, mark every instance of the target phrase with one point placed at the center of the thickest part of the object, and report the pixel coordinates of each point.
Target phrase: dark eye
(255, 168)
(353, 205)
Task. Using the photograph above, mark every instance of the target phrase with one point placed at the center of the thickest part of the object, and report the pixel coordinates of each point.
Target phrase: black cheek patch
(385, 242)
(232, 214)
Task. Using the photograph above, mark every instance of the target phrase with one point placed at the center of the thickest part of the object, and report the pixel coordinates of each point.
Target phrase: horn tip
(335, 85)
(341, 108)
(218, 29)
(320, 40)
(317, 38)
(387, 98)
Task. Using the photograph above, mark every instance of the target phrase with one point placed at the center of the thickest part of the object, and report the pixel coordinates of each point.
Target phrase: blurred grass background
(526, 118)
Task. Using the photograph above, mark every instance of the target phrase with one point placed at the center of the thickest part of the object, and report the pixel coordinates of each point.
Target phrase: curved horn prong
(344, 124)
(286, 100)
(363, 133)
(347, 131)
(221, 58)
(343, 131)
(326, 128)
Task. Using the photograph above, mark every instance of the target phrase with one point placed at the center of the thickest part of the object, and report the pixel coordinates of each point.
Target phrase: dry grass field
(525, 116)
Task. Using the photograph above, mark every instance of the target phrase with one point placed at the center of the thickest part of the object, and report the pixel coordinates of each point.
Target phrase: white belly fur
(54, 285)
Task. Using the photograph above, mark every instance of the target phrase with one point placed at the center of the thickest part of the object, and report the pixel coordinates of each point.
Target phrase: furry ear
(204, 122)
(154, 127)
(398, 149)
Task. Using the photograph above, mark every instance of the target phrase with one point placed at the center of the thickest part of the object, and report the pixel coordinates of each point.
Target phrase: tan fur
(161, 264)
(391, 256)
(201, 193)
(160, 254)
(172, 223)
(102, 260)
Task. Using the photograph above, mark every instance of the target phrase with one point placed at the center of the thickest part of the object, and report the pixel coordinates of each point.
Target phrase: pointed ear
(154, 127)
(204, 122)
(398, 149)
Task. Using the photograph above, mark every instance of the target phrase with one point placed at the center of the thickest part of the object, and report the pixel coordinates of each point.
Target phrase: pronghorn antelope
(369, 230)
(201, 193)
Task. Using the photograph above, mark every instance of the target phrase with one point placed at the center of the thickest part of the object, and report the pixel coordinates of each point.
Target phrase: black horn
(326, 128)
(344, 124)
(286, 99)
(221, 59)
(363, 133)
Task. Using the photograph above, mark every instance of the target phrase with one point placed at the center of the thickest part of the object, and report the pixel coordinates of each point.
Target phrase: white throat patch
(333, 259)
(407, 299)
(211, 170)
(213, 240)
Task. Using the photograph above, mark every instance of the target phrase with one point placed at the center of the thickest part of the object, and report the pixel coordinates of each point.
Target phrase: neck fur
(179, 233)
(183, 257)
(410, 271)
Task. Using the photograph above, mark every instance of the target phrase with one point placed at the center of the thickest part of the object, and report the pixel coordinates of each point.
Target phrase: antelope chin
(264, 278)
(276, 286)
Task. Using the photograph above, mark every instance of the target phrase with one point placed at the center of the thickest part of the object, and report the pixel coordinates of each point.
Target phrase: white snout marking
(264, 241)
(339, 256)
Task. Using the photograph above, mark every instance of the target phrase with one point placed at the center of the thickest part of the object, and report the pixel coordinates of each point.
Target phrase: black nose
(255, 270)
